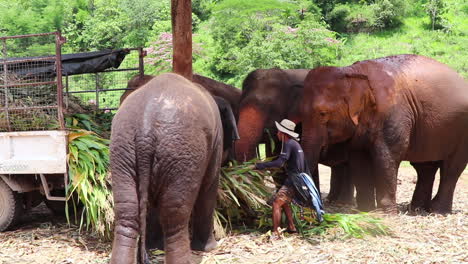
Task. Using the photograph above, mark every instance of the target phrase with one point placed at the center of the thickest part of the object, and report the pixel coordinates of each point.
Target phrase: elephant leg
(154, 234)
(126, 231)
(203, 211)
(315, 177)
(341, 185)
(175, 206)
(335, 179)
(361, 173)
(386, 170)
(423, 192)
(450, 171)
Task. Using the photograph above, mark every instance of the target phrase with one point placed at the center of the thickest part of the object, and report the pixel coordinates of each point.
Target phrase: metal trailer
(33, 137)
(33, 141)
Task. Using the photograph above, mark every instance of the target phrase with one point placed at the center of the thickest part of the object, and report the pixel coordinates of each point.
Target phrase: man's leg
(288, 211)
(277, 205)
(282, 199)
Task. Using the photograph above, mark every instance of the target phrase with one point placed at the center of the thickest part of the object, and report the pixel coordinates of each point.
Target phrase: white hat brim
(286, 131)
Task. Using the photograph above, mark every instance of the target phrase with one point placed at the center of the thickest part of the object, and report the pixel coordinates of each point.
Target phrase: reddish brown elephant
(404, 107)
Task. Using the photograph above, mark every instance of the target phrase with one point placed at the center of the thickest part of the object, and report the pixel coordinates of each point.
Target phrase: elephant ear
(229, 121)
(360, 95)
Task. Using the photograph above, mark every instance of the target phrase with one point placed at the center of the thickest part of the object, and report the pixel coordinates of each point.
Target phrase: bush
(338, 18)
(435, 9)
(389, 13)
(272, 34)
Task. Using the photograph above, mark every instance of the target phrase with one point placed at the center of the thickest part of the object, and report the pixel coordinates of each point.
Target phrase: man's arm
(277, 163)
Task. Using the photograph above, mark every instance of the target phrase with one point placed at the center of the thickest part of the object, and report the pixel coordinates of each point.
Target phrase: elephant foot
(208, 246)
(391, 210)
(339, 202)
(438, 208)
(365, 206)
(418, 208)
(155, 243)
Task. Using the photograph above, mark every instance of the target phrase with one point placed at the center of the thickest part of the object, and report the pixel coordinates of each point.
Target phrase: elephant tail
(144, 158)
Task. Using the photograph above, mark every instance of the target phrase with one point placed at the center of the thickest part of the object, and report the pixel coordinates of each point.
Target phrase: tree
(435, 9)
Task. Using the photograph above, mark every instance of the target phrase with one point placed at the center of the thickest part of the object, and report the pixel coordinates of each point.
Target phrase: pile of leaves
(88, 162)
(20, 97)
(89, 187)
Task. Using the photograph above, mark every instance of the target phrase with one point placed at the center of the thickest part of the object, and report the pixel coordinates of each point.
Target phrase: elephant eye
(322, 113)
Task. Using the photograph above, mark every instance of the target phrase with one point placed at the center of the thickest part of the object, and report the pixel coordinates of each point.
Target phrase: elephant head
(336, 104)
(135, 82)
(268, 95)
(229, 93)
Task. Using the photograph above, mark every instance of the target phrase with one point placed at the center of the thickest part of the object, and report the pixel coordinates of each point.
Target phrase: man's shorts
(285, 194)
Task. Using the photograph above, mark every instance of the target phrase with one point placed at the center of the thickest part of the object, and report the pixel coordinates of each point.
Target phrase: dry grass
(43, 238)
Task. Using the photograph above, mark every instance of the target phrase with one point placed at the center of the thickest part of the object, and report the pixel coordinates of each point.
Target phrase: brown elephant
(226, 97)
(396, 108)
(227, 92)
(166, 148)
(270, 95)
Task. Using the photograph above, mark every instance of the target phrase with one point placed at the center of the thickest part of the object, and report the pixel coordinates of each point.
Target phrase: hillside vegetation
(234, 37)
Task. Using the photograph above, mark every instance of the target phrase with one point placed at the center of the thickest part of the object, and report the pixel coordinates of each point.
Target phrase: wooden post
(181, 12)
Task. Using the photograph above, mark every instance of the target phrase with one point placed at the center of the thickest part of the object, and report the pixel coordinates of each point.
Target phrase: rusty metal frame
(141, 70)
(59, 40)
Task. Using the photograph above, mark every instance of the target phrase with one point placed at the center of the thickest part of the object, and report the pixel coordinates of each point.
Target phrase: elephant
(390, 109)
(166, 148)
(268, 95)
(226, 97)
(273, 94)
(134, 83)
(227, 92)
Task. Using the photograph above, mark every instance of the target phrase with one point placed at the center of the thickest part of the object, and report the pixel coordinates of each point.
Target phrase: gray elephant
(166, 149)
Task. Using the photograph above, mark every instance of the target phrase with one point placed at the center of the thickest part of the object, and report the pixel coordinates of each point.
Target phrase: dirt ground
(44, 238)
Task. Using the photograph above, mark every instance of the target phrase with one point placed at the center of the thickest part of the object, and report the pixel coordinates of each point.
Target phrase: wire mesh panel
(102, 90)
(29, 95)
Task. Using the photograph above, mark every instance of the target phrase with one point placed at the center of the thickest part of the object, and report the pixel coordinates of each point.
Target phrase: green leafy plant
(88, 162)
(334, 226)
(351, 225)
(242, 192)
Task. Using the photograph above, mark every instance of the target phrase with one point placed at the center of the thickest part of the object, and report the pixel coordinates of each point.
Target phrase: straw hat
(287, 126)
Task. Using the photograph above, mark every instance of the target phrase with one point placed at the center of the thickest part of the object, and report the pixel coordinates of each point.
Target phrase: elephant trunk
(313, 140)
(250, 126)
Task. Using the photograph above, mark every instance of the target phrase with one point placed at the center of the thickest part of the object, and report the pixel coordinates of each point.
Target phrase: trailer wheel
(11, 206)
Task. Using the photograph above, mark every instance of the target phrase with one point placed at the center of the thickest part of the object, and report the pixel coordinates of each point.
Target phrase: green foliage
(338, 18)
(203, 8)
(88, 162)
(248, 35)
(366, 16)
(350, 225)
(436, 10)
(242, 192)
(411, 38)
(389, 13)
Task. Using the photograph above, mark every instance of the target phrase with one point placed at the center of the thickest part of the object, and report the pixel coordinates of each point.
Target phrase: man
(293, 156)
